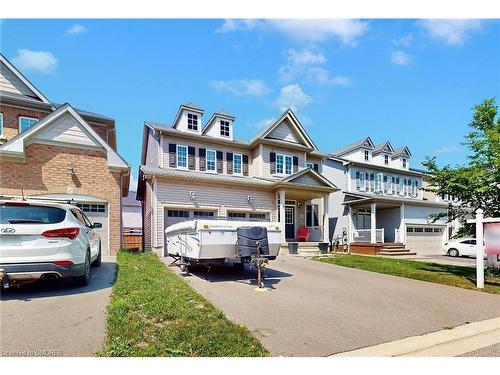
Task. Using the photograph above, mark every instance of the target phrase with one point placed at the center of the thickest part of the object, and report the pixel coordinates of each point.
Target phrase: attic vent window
(367, 155)
(192, 121)
(386, 159)
(404, 163)
(224, 128)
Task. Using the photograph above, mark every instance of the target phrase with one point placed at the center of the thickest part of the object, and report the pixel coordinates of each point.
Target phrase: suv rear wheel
(453, 253)
(84, 279)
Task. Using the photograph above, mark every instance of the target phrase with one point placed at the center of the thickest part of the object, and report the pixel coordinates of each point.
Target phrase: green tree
(476, 184)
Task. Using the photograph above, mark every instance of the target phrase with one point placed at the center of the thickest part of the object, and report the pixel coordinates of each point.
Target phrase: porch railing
(365, 235)
(396, 235)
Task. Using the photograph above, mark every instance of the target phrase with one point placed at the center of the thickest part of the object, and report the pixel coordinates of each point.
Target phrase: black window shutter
(316, 167)
(357, 180)
(295, 164)
(220, 156)
(245, 165)
(191, 159)
(229, 160)
(172, 155)
(385, 184)
(372, 182)
(272, 162)
(202, 154)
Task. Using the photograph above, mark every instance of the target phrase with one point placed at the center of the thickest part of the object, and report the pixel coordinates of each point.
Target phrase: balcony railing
(365, 235)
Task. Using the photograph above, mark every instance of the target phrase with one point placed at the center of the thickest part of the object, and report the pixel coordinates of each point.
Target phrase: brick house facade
(67, 154)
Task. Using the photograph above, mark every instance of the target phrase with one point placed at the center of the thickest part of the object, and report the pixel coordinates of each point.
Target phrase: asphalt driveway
(318, 309)
(56, 319)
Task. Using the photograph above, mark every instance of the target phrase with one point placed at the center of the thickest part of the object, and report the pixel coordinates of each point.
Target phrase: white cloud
(76, 29)
(293, 97)
(323, 76)
(403, 41)
(297, 61)
(401, 58)
(305, 30)
(445, 149)
(35, 61)
(452, 31)
(241, 87)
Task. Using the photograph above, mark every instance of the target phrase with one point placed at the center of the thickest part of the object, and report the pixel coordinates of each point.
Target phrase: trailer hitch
(259, 263)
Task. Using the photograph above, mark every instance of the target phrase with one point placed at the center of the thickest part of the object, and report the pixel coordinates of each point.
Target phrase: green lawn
(463, 277)
(153, 312)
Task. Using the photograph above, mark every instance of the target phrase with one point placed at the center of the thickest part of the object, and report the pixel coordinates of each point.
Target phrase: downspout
(121, 208)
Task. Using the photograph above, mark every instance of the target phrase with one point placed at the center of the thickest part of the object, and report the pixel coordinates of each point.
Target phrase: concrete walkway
(59, 319)
(318, 309)
(445, 343)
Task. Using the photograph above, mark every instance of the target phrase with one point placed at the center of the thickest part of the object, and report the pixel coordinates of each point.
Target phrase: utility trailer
(217, 241)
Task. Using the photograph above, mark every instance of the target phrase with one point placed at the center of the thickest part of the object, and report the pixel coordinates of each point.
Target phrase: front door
(290, 222)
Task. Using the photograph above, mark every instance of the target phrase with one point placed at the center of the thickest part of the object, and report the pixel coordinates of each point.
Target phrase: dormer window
(386, 159)
(192, 121)
(404, 163)
(224, 128)
(367, 155)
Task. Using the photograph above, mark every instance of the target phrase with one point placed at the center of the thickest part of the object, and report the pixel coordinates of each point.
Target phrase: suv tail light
(70, 233)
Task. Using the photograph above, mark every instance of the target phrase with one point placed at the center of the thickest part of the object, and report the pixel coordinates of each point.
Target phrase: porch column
(282, 215)
(373, 222)
(402, 230)
(349, 226)
(326, 218)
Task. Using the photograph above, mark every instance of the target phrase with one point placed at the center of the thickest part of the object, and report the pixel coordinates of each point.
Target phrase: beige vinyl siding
(307, 180)
(10, 83)
(209, 146)
(220, 197)
(152, 150)
(266, 169)
(66, 130)
(284, 132)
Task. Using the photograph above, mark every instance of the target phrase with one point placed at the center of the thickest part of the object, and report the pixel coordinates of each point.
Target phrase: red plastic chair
(303, 234)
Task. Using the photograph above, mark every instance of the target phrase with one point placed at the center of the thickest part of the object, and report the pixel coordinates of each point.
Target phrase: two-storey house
(381, 200)
(191, 169)
(53, 151)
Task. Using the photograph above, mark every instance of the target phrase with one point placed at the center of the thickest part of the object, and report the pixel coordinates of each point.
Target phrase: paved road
(318, 309)
(56, 320)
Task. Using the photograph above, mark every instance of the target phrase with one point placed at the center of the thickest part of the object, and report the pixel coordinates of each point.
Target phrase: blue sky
(412, 82)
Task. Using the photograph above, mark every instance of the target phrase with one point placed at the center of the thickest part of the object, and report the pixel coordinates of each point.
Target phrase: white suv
(46, 240)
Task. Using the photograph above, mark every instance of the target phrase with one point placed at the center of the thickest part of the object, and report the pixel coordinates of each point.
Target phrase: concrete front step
(397, 253)
(402, 248)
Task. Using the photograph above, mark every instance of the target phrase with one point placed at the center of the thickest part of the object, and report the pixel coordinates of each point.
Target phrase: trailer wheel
(184, 268)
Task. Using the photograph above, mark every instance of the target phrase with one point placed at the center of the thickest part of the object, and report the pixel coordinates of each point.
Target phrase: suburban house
(190, 170)
(381, 206)
(132, 221)
(54, 151)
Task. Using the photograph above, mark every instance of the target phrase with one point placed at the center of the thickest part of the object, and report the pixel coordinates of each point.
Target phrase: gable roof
(15, 147)
(188, 107)
(383, 147)
(294, 122)
(12, 69)
(219, 114)
(362, 143)
(401, 151)
(312, 173)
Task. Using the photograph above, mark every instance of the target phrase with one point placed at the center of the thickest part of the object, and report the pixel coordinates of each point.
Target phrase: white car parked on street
(46, 240)
(461, 247)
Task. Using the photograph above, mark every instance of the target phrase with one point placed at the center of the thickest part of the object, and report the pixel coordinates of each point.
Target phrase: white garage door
(98, 213)
(425, 240)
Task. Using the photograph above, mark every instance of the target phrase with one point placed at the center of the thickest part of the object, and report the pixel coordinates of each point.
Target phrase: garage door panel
(424, 240)
(97, 212)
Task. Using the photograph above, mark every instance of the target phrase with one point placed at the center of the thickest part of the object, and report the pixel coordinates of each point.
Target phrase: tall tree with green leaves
(477, 183)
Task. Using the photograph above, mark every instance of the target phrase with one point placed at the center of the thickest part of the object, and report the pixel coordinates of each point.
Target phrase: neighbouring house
(381, 206)
(190, 170)
(54, 151)
(132, 221)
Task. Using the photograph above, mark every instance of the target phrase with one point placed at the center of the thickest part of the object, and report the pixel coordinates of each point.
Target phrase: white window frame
(177, 157)
(314, 207)
(388, 184)
(366, 155)
(197, 122)
(25, 118)
(284, 157)
(402, 186)
(240, 173)
(215, 161)
(228, 128)
(386, 159)
(404, 163)
(362, 181)
(1, 124)
(378, 183)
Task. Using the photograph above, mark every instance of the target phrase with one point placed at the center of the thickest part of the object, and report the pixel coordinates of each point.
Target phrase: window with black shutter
(245, 165)
(172, 157)
(229, 161)
(316, 167)
(272, 162)
(220, 156)
(202, 155)
(191, 158)
(295, 164)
